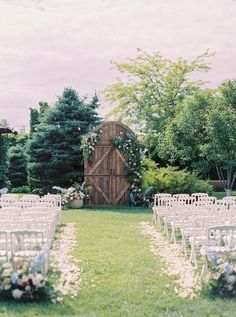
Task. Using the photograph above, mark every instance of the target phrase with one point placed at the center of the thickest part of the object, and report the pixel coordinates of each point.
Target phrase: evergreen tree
(3, 161)
(4, 144)
(54, 149)
(36, 114)
(17, 173)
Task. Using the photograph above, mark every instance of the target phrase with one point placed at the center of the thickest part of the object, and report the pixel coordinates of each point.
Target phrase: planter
(77, 203)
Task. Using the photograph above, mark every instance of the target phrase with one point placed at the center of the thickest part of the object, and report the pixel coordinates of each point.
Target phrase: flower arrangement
(223, 282)
(89, 141)
(76, 191)
(130, 147)
(21, 283)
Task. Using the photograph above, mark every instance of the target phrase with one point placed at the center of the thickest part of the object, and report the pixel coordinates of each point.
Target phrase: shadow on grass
(35, 308)
(119, 209)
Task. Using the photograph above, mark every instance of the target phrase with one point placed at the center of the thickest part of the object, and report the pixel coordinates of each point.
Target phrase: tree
(17, 159)
(150, 90)
(17, 172)
(3, 161)
(221, 146)
(54, 149)
(204, 132)
(182, 141)
(36, 115)
(3, 155)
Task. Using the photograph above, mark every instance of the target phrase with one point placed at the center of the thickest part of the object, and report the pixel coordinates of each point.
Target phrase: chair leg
(158, 221)
(192, 258)
(173, 237)
(204, 269)
(184, 246)
(166, 228)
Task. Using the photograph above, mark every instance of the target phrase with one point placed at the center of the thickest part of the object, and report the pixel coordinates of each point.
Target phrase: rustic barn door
(105, 171)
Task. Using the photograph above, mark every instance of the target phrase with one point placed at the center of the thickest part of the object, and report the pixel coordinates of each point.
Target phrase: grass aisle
(121, 277)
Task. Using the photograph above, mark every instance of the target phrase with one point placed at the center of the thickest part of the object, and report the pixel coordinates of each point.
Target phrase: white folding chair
(4, 246)
(221, 241)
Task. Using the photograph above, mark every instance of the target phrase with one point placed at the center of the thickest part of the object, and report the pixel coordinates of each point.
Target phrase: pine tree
(3, 161)
(17, 173)
(36, 115)
(54, 149)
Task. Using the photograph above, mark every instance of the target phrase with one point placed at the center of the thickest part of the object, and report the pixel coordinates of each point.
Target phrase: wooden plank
(120, 156)
(93, 168)
(122, 193)
(98, 188)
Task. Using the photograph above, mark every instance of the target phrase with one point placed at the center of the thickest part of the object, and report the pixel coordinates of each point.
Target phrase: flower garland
(130, 147)
(89, 141)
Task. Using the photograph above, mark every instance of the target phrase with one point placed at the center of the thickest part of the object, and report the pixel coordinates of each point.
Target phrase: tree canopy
(150, 89)
(54, 149)
(203, 133)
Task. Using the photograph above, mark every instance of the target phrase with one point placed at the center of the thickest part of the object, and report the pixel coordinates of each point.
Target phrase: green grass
(121, 277)
(220, 195)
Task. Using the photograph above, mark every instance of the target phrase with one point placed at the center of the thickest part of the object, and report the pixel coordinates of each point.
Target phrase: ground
(120, 275)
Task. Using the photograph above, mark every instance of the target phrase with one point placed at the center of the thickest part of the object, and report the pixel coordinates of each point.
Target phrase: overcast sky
(46, 45)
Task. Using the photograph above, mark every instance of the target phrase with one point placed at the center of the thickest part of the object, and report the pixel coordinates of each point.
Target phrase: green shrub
(171, 180)
(21, 189)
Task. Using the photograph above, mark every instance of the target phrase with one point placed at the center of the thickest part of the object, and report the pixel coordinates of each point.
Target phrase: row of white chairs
(28, 232)
(30, 200)
(197, 218)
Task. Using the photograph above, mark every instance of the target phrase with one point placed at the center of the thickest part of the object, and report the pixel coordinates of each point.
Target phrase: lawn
(220, 195)
(121, 277)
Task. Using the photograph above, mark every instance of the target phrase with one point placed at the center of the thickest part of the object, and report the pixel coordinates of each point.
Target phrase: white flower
(227, 268)
(59, 299)
(7, 287)
(230, 287)
(230, 279)
(7, 272)
(7, 266)
(38, 281)
(16, 293)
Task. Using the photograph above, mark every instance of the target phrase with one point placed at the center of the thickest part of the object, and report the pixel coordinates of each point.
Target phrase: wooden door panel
(107, 176)
(119, 188)
(106, 170)
(118, 163)
(102, 159)
(101, 191)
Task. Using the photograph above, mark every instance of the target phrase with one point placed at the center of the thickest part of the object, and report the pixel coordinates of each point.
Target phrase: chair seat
(198, 239)
(217, 250)
(26, 253)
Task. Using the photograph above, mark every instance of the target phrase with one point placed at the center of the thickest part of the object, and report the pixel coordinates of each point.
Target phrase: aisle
(120, 275)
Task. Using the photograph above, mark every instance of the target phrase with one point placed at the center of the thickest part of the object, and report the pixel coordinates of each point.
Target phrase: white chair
(7, 200)
(221, 241)
(27, 244)
(3, 246)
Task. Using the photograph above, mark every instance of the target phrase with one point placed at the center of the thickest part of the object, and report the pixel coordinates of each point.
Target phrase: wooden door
(107, 176)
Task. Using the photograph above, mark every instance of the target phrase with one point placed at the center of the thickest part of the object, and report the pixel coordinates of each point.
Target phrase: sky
(46, 45)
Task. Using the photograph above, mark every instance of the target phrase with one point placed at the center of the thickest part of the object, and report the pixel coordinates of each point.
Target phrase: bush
(22, 189)
(171, 180)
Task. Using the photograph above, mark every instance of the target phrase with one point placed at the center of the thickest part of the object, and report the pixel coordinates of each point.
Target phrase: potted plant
(75, 195)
